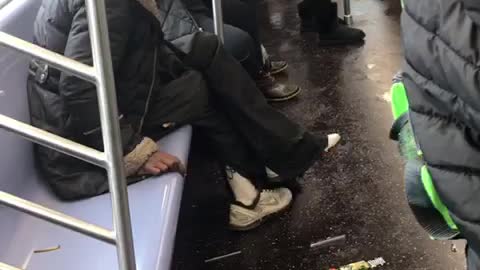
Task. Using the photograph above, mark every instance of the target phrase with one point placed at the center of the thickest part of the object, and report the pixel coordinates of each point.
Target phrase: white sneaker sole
(259, 221)
(273, 212)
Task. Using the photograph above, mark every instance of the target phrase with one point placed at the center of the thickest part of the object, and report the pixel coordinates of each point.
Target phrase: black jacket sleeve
(80, 96)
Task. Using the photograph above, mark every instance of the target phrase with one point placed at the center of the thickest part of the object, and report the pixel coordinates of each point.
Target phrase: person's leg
(243, 16)
(253, 204)
(282, 145)
(241, 46)
(187, 100)
(235, 12)
(321, 16)
(237, 42)
(308, 10)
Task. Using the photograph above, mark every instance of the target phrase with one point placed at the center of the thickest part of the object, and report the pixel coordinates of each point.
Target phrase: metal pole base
(348, 19)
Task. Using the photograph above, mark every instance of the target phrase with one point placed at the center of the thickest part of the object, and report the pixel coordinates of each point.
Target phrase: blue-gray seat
(154, 203)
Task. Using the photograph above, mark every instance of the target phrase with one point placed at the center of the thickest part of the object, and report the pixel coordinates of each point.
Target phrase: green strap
(399, 100)
(436, 201)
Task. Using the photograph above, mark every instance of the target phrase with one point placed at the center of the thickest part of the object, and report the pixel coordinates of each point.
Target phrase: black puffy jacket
(67, 106)
(441, 74)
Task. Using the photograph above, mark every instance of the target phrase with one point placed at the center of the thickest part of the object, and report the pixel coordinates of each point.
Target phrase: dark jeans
(241, 32)
(322, 12)
(223, 104)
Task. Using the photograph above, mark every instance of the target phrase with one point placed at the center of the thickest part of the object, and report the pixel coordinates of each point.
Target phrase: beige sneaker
(271, 202)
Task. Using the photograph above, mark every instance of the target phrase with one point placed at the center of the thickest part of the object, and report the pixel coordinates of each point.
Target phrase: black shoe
(341, 35)
(275, 67)
(307, 19)
(275, 91)
(310, 25)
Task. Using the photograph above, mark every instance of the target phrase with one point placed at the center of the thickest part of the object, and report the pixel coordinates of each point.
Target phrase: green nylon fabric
(432, 193)
(399, 100)
(400, 106)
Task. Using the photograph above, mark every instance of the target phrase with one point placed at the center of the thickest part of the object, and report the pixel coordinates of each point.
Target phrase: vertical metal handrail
(218, 19)
(112, 159)
(112, 142)
(348, 12)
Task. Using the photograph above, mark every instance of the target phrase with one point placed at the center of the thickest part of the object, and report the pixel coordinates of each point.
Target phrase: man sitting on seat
(159, 89)
(242, 40)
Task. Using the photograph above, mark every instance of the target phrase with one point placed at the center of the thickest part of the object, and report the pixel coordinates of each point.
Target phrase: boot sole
(261, 221)
(279, 70)
(340, 42)
(286, 98)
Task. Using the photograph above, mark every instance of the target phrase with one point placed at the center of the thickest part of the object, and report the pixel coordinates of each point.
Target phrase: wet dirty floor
(355, 191)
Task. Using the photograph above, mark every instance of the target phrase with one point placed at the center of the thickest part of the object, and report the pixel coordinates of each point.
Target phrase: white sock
(270, 173)
(265, 55)
(333, 140)
(243, 190)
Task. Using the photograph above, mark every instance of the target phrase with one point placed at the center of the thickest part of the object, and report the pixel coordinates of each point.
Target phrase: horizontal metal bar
(57, 60)
(4, 266)
(58, 218)
(53, 141)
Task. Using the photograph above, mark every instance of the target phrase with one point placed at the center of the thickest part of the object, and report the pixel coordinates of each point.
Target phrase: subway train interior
(239, 134)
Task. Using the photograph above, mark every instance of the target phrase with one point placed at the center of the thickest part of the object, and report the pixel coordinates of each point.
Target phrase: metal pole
(8, 267)
(4, 3)
(54, 59)
(218, 19)
(348, 12)
(107, 99)
(58, 218)
(53, 141)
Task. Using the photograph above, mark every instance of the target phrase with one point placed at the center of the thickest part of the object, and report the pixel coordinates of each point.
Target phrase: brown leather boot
(275, 91)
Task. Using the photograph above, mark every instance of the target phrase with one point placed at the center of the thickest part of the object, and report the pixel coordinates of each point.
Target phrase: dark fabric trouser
(223, 105)
(241, 34)
(322, 12)
(243, 15)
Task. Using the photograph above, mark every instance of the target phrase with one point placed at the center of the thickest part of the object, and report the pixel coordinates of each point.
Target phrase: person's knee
(203, 49)
(238, 43)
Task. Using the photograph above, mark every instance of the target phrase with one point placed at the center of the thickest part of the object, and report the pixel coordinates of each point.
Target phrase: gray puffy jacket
(442, 77)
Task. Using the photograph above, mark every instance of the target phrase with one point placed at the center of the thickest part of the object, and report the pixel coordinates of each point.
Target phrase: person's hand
(162, 162)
